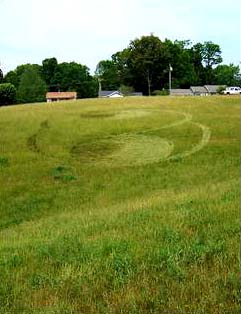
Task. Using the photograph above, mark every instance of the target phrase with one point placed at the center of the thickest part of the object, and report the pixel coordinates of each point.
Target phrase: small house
(212, 89)
(58, 96)
(199, 91)
(181, 92)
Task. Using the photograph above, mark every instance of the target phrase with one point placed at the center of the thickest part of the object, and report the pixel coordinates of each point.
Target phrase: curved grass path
(140, 150)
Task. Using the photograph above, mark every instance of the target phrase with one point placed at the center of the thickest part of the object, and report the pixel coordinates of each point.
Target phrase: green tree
(7, 94)
(14, 77)
(210, 54)
(107, 74)
(146, 62)
(11, 77)
(178, 55)
(1, 75)
(32, 87)
(227, 75)
(75, 77)
(121, 60)
(197, 62)
(49, 67)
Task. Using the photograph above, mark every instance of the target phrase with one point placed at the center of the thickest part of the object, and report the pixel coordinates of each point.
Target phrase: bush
(163, 92)
(126, 90)
(220, 89)
(7, 94)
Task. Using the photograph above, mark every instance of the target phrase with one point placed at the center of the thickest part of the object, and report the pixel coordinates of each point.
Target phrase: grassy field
(121, 206)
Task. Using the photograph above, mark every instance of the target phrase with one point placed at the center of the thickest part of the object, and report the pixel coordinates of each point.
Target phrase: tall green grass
(121, 206)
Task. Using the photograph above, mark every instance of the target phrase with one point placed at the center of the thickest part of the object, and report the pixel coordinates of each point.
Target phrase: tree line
(142, 67)
(30, 82)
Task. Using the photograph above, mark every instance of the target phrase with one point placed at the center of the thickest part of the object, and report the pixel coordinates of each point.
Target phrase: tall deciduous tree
(178, 55)
(49, 66)
(107, 74)
(14, 77)
(32, 87)
(227, 75)
(146, 62)
(210, 54)
(75, 77)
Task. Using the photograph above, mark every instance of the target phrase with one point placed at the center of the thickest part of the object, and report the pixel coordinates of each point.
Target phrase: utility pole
(170, 79)
(100, 87)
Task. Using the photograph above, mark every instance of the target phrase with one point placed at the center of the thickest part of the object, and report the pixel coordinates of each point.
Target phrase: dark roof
(135, 94)
(199, 90)
(181, 92)
(213, 89)
(108, 93)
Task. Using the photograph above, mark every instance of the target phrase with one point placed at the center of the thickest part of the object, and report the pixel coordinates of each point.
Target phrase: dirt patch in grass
(124, 114)
(96, 115)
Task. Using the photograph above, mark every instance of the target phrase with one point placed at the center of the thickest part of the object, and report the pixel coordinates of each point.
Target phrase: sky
(88, 31)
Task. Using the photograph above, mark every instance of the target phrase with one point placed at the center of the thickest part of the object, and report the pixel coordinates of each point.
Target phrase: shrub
(126, 90)
(220, 89)
(163, 92)
(7, 94)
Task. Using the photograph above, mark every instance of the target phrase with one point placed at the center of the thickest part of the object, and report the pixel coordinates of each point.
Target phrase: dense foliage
(142, 67)
(7, 94)
(1, 75)
(69, 77)
(32, 87)
(145, 65)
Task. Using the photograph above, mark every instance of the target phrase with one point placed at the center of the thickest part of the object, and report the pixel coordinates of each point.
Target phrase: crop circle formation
(130, 149)
(139, 149)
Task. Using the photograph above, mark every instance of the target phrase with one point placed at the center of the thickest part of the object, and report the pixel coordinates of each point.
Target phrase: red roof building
(58, 96)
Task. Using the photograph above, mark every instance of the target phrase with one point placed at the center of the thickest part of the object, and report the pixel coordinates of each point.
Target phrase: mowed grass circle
(129, 114)
(137, 150)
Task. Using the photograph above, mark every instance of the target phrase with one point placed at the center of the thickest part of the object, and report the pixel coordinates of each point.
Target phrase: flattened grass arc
(137, 147)
(206, 134)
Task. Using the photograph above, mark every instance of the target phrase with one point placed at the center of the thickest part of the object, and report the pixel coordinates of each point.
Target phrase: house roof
(199, 90)
(212, 88)
(61, 95)
(135, 94)
(109, 93)
(181, 92)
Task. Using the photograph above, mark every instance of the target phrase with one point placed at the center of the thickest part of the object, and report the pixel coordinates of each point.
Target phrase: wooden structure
(58, 96)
